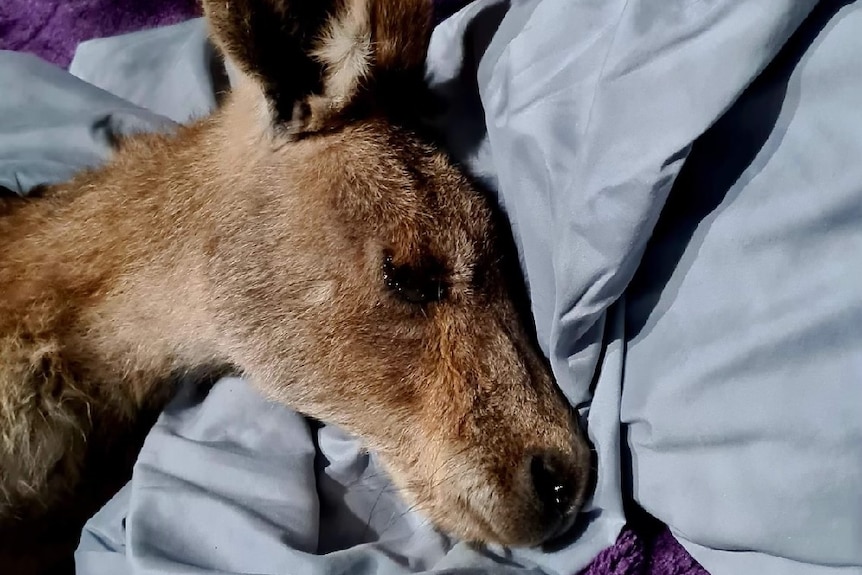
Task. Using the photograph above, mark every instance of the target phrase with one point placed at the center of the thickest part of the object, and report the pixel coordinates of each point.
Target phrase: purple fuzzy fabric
(52, 29)
(642, 551)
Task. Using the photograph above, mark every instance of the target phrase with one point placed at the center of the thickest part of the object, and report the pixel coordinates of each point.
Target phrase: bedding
(733, 359)
(682, 182)
(52, 29)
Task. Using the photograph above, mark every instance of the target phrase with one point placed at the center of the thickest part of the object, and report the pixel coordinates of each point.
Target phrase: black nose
(555, 488)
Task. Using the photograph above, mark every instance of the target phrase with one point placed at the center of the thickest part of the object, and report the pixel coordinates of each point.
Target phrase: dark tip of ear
(299, 54)
(402, 32)
(270, 41)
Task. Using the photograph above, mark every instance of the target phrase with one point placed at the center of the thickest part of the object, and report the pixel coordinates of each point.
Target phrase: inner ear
(269, 42)
(313, 60)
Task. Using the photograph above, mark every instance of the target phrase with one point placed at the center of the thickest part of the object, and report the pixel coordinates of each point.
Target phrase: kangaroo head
(362, 279)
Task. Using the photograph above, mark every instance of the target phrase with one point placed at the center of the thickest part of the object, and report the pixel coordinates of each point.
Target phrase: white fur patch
(345, 49)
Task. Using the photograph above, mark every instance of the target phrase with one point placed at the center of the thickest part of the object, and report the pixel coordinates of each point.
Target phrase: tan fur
(231, 243)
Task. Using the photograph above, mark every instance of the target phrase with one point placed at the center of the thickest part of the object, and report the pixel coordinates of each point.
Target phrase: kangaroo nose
(555, 488)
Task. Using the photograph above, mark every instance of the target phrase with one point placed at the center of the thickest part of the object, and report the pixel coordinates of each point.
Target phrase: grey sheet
(53, 124)
(737, 353)
(743, 385)
(732, 360)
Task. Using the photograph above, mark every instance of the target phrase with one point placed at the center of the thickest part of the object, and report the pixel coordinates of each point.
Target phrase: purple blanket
(52, 29)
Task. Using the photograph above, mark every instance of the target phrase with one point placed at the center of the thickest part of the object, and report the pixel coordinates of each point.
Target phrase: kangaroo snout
(557, 485)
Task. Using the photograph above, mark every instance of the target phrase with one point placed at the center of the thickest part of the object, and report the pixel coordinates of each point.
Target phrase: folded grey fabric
(52, 125)
(682, 182)
(743, 391)
(737, 351)
(172, 71)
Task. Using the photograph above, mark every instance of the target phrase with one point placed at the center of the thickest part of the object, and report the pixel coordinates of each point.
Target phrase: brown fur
(259, 238)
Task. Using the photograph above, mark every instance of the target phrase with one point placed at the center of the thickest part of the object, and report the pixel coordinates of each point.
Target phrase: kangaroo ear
(313, 60)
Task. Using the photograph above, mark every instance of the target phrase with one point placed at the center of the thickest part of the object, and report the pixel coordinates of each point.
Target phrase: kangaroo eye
(413, 285)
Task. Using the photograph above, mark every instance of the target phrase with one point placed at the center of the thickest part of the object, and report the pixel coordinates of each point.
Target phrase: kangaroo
(310, 235)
